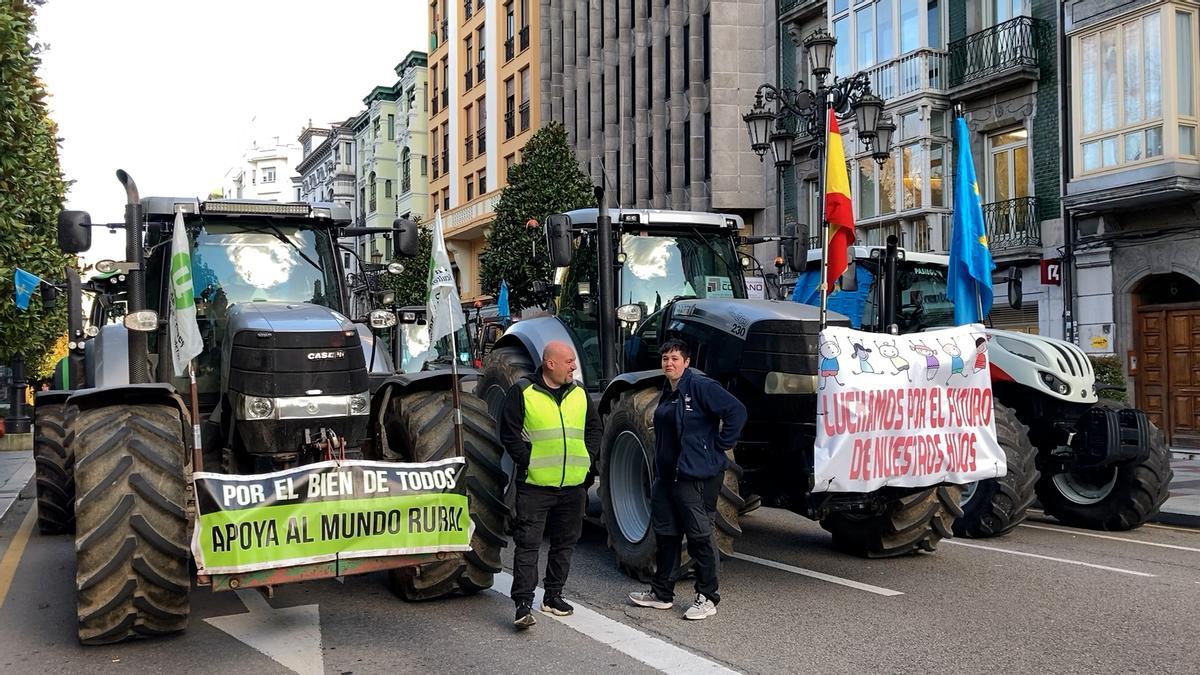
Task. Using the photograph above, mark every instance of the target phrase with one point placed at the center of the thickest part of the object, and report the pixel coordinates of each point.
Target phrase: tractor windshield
(660, 267)
(922, 301)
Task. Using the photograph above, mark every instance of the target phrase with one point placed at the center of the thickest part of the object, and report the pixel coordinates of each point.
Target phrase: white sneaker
(702, 608)
(649, 599)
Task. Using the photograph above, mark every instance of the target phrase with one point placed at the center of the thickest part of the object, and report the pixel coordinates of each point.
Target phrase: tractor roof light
(254, 208)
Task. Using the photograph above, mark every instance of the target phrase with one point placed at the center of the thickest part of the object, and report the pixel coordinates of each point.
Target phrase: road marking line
(817, 575)
(12, 555)
(630, 641)
(1157, 526)
(1105, 536)
(1046, 557)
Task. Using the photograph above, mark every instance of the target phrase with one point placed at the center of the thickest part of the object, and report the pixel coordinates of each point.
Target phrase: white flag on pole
(186, 342)
(445, 310)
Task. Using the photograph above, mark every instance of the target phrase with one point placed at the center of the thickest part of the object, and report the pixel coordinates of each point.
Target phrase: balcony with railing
(481, 142)
(470, 147)
(1014, 229)
(433, 105)
(436, 168)
(509, 125)
(469, 79)
(923, 70)
(468, 9)
(798, 9)
(446, 161)
(524, 112)
(524, 36)
(480, 72)
(446, 97)
(509, 50)
(445, 30)
(996, 57)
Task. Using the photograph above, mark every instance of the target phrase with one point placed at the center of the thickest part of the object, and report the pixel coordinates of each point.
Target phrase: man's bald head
(558, 363)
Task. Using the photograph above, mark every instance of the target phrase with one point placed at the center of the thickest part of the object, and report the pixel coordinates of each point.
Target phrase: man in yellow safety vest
(550, 428)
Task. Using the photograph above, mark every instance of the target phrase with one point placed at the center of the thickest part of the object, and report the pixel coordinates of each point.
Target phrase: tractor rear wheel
(914, 522)
(1120, 497)
(995, 506)
(55, 469)
(503, 367)
(131, 543)
(424, 422)
(626, 467)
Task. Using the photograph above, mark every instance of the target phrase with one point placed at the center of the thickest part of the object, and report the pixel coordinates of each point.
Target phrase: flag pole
(458, 439)
(197, 449)
(822, 170)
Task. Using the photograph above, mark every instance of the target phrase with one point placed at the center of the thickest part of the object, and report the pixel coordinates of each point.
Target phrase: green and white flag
(186, 342)
(445, 310)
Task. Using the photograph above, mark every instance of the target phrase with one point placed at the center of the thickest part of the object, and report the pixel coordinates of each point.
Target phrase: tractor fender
(50, 397)
(534, 334)
(627, 381)
(130, 394)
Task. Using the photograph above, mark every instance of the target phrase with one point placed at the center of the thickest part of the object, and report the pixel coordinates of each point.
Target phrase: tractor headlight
(1055, 384)
(144, 321)
(359, 404)
(258, 407)
(790, 383)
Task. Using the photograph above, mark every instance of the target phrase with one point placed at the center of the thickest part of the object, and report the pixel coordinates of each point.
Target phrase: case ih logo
(321, 356)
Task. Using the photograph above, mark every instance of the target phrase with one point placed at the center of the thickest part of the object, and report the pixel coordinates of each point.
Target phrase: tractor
(678, 274)
(284, 379)
(1090, 462)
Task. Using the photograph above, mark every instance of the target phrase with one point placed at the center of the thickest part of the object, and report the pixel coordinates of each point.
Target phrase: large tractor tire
(995, 506)
(912, 523)
(1113, 498)
(626, 467)
(423, 422)
(502, 368)
(55, 469)
(131, 543)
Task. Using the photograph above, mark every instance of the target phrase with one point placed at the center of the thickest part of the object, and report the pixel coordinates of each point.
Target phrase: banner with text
(904, 410)
(329, 510)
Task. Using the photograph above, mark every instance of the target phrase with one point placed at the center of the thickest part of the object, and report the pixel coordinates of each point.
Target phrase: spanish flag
(838, 211)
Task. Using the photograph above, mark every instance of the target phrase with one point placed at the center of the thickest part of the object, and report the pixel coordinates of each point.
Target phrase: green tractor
(284, 380)
(629, 279)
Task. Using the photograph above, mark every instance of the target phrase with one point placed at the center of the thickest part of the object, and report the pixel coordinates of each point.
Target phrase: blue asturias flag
(502, 300)
(26, 283)
(970, 276)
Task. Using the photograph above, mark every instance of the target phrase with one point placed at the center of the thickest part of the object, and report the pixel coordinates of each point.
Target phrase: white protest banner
(904, 411)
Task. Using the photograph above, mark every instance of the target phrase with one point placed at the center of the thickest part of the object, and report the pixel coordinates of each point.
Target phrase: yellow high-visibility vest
(558, 455)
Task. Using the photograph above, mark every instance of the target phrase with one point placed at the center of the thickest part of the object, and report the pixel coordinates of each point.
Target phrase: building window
(666, 68)
(268, 174)
(868, 33)
(482, 181)
(509, 161)
(687, 56)
(470, 189)
(705, 47)
(375, 129)
(1008, 165)
(707, 146)
(510, 31)
(510, 107)
(913, 166)
(1121, 69)
(424, 165)
(405, 171)
(391, 127)
(371, 188)
(526, 94)
(336, 152)
(387, 188)
(1003, 10)
(687, 153)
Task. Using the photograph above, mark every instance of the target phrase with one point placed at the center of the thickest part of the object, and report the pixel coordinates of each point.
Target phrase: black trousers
(540, 511)
(685, 508)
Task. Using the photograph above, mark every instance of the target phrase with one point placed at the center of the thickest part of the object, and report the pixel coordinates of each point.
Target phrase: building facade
(266, 171)
(326, 170)
(484, 80)
(1133, 198)
(412, 199)
(993, 61)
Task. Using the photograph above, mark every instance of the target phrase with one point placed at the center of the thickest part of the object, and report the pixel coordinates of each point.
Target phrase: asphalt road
(1043, 599)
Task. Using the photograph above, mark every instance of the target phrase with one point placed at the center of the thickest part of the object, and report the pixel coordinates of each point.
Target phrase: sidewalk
(16, 469)
(1183, 506)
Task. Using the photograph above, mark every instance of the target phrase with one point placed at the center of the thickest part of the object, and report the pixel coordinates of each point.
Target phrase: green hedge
(1110, 371)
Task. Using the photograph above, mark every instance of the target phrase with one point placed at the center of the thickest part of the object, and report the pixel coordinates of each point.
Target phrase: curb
(1177, 519)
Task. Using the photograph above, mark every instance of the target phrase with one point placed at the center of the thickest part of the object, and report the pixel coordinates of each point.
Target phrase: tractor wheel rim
(629, 486)
(1086, 488)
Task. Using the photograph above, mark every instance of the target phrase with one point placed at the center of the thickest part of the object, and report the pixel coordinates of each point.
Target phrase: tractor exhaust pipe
(139, 367)
(608, 306)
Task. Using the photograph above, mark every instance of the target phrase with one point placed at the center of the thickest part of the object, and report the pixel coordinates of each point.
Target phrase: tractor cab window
(578, 304)
(662, 267)
(417, 354)
(922, 301)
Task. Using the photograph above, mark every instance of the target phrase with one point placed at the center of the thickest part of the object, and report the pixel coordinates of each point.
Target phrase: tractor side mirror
(558, 239)
(49, 295)
(850, 276)
(795, 249)
(74, 231)
(405, 242)
(1016, 295)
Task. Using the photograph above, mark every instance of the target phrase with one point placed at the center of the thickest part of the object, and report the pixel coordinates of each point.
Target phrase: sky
(168, 89)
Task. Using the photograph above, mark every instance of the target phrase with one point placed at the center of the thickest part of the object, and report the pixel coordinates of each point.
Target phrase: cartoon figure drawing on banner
(981, 360)
(860, 353)
(889, 351)
(957, 366)
(931, 361)
(829, 362)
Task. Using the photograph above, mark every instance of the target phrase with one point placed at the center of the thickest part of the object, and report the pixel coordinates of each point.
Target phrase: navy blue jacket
(708, 421)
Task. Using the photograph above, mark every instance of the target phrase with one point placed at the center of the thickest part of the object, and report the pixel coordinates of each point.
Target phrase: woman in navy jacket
(695, 423)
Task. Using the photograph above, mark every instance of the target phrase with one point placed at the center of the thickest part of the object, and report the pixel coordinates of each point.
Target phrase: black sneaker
(557, 606)
(524, 618)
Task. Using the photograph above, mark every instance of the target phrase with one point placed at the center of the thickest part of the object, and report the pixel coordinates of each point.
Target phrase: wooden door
(1168, 379)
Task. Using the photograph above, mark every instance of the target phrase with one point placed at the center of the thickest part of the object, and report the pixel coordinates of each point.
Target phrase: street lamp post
(770, 126)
